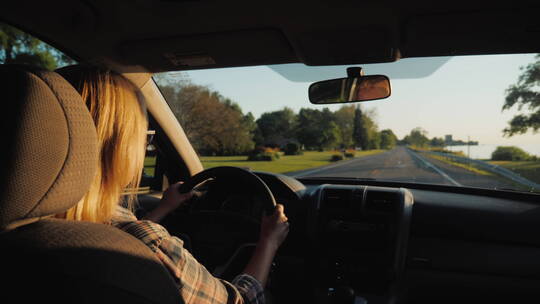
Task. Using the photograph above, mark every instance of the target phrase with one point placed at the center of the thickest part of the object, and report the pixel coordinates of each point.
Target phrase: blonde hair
(121, 125)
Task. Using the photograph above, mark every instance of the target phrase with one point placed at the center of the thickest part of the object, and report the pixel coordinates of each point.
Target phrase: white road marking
(430, 165)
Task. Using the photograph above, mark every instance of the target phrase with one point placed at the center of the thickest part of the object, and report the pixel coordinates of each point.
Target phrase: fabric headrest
(49, 155)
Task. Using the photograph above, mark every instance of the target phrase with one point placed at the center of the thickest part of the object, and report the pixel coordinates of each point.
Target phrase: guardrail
(433, 167)
(490, 167)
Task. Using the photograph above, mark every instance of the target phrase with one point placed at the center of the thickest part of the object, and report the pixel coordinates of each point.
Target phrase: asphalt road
(403, 165)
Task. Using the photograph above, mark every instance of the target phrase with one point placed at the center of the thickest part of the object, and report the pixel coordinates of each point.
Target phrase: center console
(359, 239)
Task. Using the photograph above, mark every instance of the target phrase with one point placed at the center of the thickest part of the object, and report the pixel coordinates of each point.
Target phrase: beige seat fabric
(48, 161)
(51, 149)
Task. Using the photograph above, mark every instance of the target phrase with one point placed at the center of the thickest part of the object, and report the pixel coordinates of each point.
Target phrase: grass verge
(149, 165)
(469, 167)
(528, 169)
(286, 163)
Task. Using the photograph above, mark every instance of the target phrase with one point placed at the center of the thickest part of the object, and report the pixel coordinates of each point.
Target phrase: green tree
(214, 125)
(248, 121)
(330, 134)
(388, 139)
(437, 142)
(360, 135)
(525, 93)
(344, 118)
(307, 128)
(510, 153)
(372, 129)
(417, 137)
(375, 140)
(317, 129)
(241, 141)
(19, 47)
(276, 128)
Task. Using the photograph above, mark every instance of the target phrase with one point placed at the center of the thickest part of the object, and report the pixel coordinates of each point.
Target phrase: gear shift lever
(342, 295)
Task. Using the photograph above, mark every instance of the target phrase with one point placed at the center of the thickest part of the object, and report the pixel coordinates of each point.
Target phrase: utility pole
(468, 146)
(469, 149)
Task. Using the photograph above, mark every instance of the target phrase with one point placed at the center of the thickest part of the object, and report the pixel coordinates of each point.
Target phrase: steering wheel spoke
(219, 237)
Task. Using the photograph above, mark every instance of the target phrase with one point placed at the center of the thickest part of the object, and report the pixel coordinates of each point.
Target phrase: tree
(21, 48)
(437, 142)
(372, 129)
(360, 135)
(330, 135)
(344, 118)
(248, 121)
(510, 153)
(388, 139)
(308, 128)
(417, 137)
(525, 93)
(277, 127)
(317, 129)
(365, 133)
(214, 125)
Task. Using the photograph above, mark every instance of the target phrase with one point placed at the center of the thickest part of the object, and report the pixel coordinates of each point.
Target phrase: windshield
(462, 121)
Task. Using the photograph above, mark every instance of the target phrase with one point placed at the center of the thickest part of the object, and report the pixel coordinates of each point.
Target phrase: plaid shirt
(195, 283)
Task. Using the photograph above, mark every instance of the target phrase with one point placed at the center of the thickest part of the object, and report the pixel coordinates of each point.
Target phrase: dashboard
(366, 241)
(358, 241)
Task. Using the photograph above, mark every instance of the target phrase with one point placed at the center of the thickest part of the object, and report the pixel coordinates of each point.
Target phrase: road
(403, 165)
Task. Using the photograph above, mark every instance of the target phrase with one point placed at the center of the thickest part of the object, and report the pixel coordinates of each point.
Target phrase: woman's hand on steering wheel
(274, 230)
(274, 227)
(170, 201)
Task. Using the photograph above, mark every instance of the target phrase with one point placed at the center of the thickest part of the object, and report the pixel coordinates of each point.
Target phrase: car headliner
(164, 35)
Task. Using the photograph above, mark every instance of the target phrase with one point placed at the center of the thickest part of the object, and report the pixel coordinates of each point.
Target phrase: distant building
(449, 141)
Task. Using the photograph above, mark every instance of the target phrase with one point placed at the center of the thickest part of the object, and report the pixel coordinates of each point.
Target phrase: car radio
(359, 236)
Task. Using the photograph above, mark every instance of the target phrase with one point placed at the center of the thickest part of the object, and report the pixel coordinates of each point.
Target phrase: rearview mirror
(351, 89)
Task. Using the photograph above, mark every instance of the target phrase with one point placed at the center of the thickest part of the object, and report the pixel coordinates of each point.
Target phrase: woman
(121, 124)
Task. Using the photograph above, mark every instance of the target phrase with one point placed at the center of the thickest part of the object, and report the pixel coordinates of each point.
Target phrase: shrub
(263, 157)
(350, 153)
(271, 149)
(336, 157)
(272, 152)
(292, 149)
(510, 153)
(263, 154)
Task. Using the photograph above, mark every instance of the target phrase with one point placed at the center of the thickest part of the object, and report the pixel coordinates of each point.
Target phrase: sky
(462, 96)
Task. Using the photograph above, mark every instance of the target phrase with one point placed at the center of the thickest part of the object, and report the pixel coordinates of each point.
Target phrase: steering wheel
(244, 178)
(223, 241)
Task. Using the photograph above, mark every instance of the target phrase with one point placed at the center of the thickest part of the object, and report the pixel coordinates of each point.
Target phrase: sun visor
(498, 32)
(348, 46)
(238, 48)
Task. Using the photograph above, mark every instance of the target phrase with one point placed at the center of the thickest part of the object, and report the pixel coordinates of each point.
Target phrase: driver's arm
(195, 283)
(274, 230)
(172, 199)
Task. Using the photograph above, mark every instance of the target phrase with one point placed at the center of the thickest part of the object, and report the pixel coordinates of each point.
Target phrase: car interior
(351, 240)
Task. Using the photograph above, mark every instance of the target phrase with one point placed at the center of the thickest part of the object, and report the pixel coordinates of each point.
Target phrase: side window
(19, 47)
(153, 173)
(149, 175)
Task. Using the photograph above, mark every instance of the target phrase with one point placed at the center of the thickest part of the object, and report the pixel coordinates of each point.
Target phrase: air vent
(337, 198)
(381, 201)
